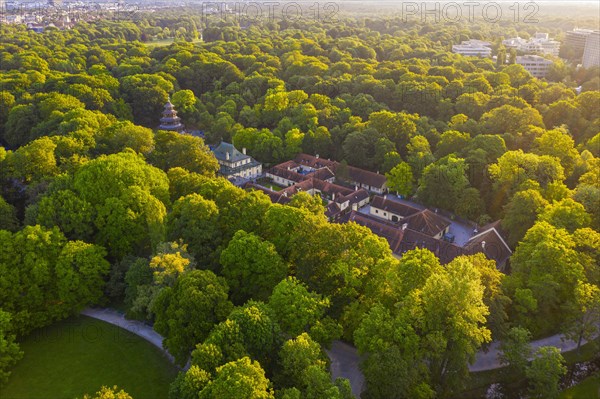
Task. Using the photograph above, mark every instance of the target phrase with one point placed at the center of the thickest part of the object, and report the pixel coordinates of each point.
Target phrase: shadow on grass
(78, 355)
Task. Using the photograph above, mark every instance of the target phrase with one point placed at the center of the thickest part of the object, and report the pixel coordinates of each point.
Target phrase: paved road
(345, 359)
(489, 361)
(138, 328)
(344, 363)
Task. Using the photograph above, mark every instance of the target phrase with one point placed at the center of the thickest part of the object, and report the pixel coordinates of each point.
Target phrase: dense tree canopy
(86, 178)
(186, 313)
(46, 278)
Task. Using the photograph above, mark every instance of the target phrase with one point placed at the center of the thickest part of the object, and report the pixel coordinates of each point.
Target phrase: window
(376, 211)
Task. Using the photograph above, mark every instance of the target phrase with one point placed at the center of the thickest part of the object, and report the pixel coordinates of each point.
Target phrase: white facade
(281, 181)
(234, 163)
(539, 44)
(591, 53)
(385, 214)
(576, 38)
(534, 64)
(473, 48)
(376, 190)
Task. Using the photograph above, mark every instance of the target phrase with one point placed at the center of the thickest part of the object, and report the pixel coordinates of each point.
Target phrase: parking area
(462, 231)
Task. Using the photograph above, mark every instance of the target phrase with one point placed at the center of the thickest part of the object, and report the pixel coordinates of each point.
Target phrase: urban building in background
(574, 44)
(473, 48)
(575, 39)
(534, 64)
(540, 43)
(591, 52)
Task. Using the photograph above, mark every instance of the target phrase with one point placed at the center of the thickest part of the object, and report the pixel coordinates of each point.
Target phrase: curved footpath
(489, 360)
(140, 329)
(344, 358)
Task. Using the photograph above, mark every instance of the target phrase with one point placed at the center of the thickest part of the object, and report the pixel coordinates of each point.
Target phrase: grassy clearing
(79, 355)
(268, 183)
(586, 389)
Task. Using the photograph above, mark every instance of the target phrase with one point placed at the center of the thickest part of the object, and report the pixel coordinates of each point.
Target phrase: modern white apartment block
(576, 38)
(534, 64)
(541, 43)
(591, 52)
(473, 48)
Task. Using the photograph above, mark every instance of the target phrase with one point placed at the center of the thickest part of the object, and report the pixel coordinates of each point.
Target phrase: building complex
(356, 195)
(536, 65)
(540, 43)
(473, 48)
(591, 51)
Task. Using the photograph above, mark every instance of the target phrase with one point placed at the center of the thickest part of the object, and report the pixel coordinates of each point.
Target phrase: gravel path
(344, 358)
(489, 360)
(140, 329)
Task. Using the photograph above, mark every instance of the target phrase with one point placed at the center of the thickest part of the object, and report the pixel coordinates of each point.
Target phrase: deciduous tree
(583, 315)
(10, 352)
(251, 266)
(194, 220)
(295, 308)
(240, 379)
(443, 182)
(173, 149)
(545, 373)
(521, 213)
(400, 179)
(566, 214)
(186, 312)
(516, 349)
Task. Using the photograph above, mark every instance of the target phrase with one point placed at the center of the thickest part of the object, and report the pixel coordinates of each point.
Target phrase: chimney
(316, 155)
(483, 245)
(404, 226)
(244, 150)
(227, 156)
(333, 196)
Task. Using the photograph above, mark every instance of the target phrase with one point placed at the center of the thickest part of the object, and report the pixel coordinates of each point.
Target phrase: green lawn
(273, 187)
(586, 389)
(79, 355)
(268, 183)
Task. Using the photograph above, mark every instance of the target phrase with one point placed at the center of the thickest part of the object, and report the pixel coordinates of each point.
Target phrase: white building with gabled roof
(234, 163)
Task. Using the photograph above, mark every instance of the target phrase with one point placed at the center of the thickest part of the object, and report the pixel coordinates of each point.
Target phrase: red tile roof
(402, 240)
(390, 232)
(277, 197)
(427, 222)
(355, 174)
(491, 243)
